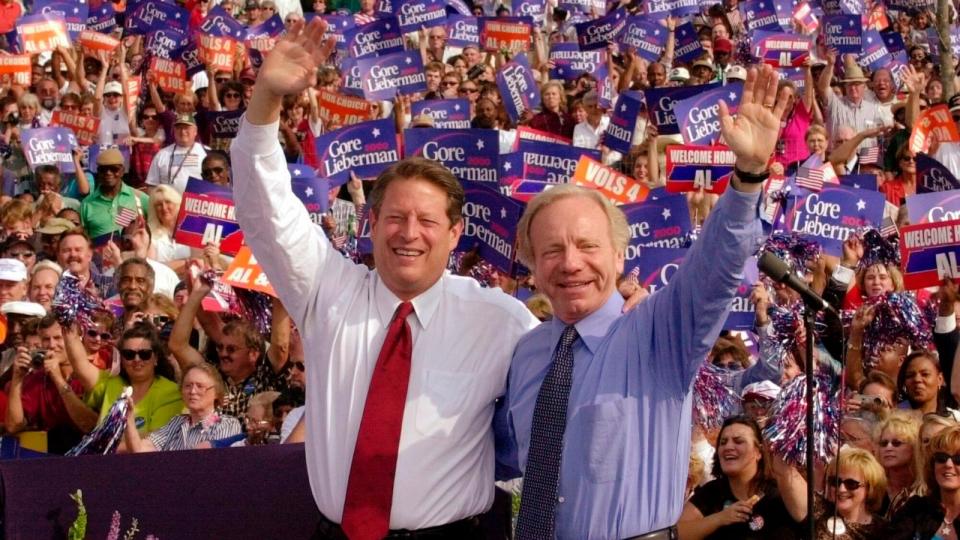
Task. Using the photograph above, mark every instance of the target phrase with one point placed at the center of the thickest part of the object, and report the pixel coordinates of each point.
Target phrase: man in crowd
(76, 256)
(110, 197)
(43, 283)
(851, 109)
(176, 163)
(13, 281)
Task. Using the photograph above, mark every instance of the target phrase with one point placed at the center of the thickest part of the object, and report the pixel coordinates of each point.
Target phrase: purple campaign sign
(656, 266)
(365, 148)
(535, 9)
(385, 77)
(583, 6)
(378, 38)
(517, 87)
(73, 13)
(457, 7)
(190, 56)
(646, 38)
(742, 312)
(796, 75)
(605, 90)
(781, 48)
(311, 190)
(224, 124)
(416, 14)
(688, 47)
(843, 33)
(352, 85)
(551, 162)
(894, 41)
(933, 40)
(875, 54)
(859, 181)
(154, 15)
(338, 26)
(570, 62)
(599, 33)
(446, 113)
(699, 116)
(663, 223)
(760, 15)
(661, 101)
(623, 121)
(933, 176)
(677, 8)
(832, 215)
(462, 30)
(784, 9)
(511, 168)
(49, 146)
(270, 28)
(470, 154)
(933, 207)
(219, 23)
(490, 221)
(165, 42)
(102, 19)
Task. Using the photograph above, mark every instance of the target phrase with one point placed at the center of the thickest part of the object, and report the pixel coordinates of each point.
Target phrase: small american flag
(889, 227)
(813, 177)
(804, 16)
(634, 273)
(870, 156)
(125, 216)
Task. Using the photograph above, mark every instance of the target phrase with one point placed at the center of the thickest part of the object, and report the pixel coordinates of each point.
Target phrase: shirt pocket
(601, 429)
(444, 396)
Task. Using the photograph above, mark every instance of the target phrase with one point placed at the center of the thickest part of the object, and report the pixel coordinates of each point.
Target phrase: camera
(12, 120)
(37, 357)
(866, 400)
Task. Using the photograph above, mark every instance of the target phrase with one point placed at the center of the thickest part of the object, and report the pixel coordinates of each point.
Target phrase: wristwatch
(751, 178)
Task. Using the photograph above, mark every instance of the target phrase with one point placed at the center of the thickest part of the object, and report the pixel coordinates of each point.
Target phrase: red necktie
(366, 511)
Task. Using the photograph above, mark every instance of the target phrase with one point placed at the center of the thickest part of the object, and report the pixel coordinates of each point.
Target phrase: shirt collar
(424, 305)
(592, 328)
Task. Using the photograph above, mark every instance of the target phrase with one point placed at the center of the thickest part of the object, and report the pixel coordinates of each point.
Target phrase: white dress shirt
(463, 339)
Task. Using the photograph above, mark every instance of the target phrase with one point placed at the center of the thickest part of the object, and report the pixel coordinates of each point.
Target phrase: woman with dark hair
(921, 384)
(156, 398)
(934, 516)
(905, 183)
(744, 501)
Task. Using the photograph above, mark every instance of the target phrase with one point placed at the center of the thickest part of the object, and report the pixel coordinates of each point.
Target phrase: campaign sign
(74, 14)
(599, 33)
(312, 191)
(535, 9)
(171, 75)
(219, 23)
(698, 117)
(15, 69)
(263, 37)
(337, 28)
(832, 215)
(49, 146)
(154, 15)
(470, 154)
(95, 41)
(645, 38)
(661, 223)
(615, 186)
(583, 6)
(569, 62)
(207, 216)
(517, 87)
(623, 121)
(102, 19)
(416, 14)
(688, 47)
(224, 124)
(893, 41)
(366, 149)
(457, 7)
(655, 266)
(164, 43)
(677, 8)
(377, 38)
(875, 54)
(784, 9)
(340, 110)
(385, 77)
(692, 168)
(797, 76)
(742, 313)
(42, 33)
(859, 181)
(760, 15)
(511, 34)
(933, 122)
(217, 52)
(929, 253)
(84, 127)
(933, 207)
(551, 162)
(911, 5)
(524, 190)
(661, 101)
(531, 134)
(933, 176)
(446, 113)
(244, 272)
(781, 49)
(352, 84)
(490, 221)
(189, 55)
(843, 33)
(462, 30)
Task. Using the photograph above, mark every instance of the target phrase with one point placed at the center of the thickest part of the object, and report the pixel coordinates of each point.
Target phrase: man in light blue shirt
(616, 465)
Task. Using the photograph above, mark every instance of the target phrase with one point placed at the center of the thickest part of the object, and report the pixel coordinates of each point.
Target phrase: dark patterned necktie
(539, 497)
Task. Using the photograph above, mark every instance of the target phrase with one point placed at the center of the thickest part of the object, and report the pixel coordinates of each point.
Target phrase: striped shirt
(179, 434)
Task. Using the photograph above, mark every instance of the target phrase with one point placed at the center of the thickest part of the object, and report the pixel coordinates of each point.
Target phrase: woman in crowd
(553, 117)
(149, 138)
(931, 426)
(854, 490)
(816, 140)
(162, 220)
(921, 383)
(98, 342)
(792, 148)
(202, 390)
(934, 515)
(156, 398)
(905, 183)
(896, 448)
(744, 501)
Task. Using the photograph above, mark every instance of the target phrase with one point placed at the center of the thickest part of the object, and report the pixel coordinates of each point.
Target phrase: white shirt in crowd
(165, 279)
(463, 339)
(587, 136)
(114, 126)
(174, 165)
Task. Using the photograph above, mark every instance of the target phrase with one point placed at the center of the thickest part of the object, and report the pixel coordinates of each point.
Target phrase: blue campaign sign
(535, 9)
(352, 83)
(74, 13)
(784, 9)
(470, 154)
(154, 15)
(269, 28)
(462, 30)
(760, 15)
(694, 167)
(457, 7)
(312, 191)
(893, 41)
(416, 14)
(875, 54)
(49, 146)
(446, 113)
(166, 42)
(207, 215)
(189, 54)
(599, 33)
(378, 38)
(511, 168)
(579, 7)
(742, 312)
(224, 124)
(929, 253)
(366, 149)
(933, 207)
(103, 19)
(698, 117)
(338, 26)
(843, 33)
(677, 8)
(933, 176)
(655, 266)
(385, 77)
(661, 223)
(551, 162)
(219, 23)
(490, 221)
(645, 38)
(781, 49)
(623, 121)
(687, 47)
(859, 181)
(517, 86)
(832, 215)
(569, 62)
(661, 101)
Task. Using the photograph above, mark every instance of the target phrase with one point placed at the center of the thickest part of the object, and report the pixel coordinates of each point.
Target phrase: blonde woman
(896, 450)
(855, 488)
(162, 221)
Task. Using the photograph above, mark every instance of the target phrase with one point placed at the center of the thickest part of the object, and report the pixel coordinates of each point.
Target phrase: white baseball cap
(763, 389)
(679, 74)
(112, 87)
(736, 73)
(12, 270)
(27, 309)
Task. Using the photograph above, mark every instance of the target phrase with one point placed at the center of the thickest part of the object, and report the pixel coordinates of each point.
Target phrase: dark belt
(670, 533)
(468, 528)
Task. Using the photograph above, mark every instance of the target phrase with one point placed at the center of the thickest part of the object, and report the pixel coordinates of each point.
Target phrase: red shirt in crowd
(551, 122)
(9, 13)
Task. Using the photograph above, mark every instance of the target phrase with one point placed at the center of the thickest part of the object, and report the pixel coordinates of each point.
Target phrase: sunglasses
(20, 254)
(896, 443)
(132, 354)
(69, 107)
(207, 173)
(941, 458)
(160, 320)
(469, 90)
(149, 117)
(93, 334)
(230, 95)
(849, 483)
(909, 159)
(229, 349)
(449, 83)
(299, 366)
(115, 169)
(221, 81)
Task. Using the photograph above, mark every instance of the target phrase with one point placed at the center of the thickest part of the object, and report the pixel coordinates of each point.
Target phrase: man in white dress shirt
(458, 339)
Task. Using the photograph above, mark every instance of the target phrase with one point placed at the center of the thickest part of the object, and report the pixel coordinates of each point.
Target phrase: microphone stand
(809, 317)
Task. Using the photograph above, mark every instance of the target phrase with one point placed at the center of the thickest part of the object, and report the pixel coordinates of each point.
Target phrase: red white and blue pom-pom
(793, 249)
(786, 433)
(105, 438)
(713, 396)
(896, 315)
(74, 304)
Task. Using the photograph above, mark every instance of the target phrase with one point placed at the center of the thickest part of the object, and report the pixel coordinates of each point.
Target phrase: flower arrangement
(78, 529)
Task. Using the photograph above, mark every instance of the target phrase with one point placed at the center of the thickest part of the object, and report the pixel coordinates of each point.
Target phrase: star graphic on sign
(296, 172)
(850, 23)
(856, 185)
(76, 10)
(532, 95)
(376, 132)
(506, 166)
(309, 191)
(861, 205)
(666, 214)
(479, 144)
(503, 213)
(732, 96)
(656, 32)
(869, 39)
(407, 60)
(456, 107)
(176, 15)
(387, 26)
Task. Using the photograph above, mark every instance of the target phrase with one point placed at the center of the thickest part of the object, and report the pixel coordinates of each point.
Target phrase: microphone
(778, 270)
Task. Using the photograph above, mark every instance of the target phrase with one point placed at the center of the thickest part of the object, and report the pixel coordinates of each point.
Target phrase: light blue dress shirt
(627, 441)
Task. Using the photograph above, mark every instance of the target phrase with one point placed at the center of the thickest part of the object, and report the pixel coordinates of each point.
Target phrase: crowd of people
(589, 366)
